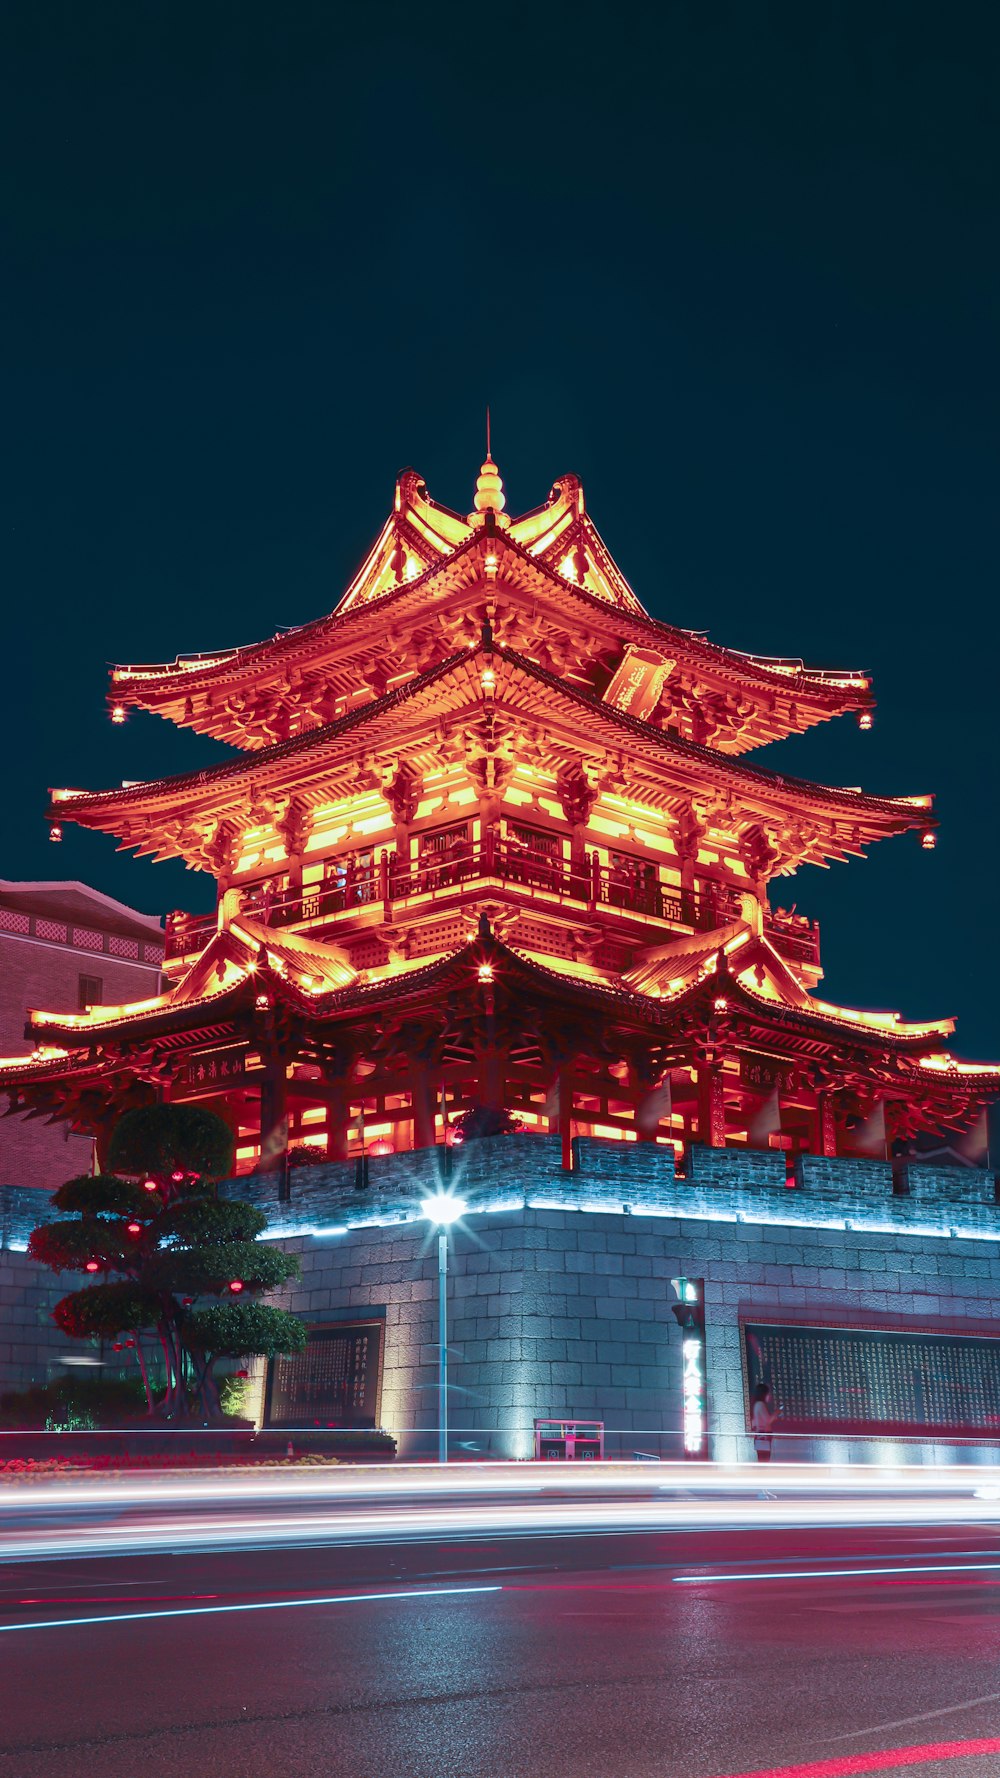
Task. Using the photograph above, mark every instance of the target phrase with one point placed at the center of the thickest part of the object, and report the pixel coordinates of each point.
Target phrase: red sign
(636, 686)
(216, 1067)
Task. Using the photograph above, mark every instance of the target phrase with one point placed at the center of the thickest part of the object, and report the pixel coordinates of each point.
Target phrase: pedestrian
(762, 1418)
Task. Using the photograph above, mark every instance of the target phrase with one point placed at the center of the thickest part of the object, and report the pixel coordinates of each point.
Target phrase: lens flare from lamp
(485, 972)
(443, 1208)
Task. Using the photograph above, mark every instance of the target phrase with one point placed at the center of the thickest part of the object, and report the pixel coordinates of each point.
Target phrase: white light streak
(840, 1573)
(127, 1617)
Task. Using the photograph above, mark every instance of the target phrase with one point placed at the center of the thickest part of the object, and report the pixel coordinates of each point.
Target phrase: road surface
(654, 1653)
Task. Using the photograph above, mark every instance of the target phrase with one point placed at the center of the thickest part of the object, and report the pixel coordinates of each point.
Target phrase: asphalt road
(626, 1656)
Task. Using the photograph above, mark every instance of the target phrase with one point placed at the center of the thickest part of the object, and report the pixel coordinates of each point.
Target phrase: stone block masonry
(560, 1282)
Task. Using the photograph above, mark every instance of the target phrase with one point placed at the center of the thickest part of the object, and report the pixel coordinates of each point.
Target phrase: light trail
(853, 1765)
(372, 1482)
(332, 1523)
(694, 1580)
(129, 1617)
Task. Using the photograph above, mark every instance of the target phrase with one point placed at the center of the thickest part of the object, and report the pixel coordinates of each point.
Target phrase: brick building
(65, 943)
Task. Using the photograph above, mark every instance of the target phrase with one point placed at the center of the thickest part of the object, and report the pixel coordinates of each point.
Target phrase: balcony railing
(436, 878)
(186, 934)
(793, 936)
(538, 875)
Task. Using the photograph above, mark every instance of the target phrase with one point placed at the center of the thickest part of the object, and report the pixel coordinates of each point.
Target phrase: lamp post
(442, 1209)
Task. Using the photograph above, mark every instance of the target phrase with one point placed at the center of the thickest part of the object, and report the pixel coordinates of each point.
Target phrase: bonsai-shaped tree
(483, 1120)
(158, 1241)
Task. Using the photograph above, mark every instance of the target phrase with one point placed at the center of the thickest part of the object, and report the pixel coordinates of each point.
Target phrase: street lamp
(442, 1209)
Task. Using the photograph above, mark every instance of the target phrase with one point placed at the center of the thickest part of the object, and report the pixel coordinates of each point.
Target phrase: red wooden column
(273, 1115)
(337, 1120)
(565, 1090)
(422, 1097)
(490, 1066)
(711, 1106)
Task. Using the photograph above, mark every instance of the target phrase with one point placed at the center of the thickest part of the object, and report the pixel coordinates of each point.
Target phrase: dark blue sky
(737, 265)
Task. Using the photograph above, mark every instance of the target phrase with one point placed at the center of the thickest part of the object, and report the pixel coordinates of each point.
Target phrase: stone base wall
(560, 1282)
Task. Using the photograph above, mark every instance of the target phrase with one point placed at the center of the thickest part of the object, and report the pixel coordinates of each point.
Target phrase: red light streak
(888, 1759)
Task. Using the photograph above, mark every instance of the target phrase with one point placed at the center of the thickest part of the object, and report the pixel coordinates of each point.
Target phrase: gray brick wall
(560, 1282)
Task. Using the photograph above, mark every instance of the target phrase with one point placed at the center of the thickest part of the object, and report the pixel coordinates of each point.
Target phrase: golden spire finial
(490, 496)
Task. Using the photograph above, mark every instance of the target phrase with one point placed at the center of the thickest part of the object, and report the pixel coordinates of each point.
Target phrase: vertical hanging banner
(637, 683)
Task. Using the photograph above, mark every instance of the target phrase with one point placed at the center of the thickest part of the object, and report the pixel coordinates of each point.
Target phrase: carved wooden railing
(440, 877)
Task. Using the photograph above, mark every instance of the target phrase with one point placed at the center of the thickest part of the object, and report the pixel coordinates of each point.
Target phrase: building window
(91, 991)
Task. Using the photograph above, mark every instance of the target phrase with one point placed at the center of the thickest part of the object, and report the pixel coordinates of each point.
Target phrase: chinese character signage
(334, 1382)
(636, 686)
(216, 1067)
(766, 1073)
(866, 1380)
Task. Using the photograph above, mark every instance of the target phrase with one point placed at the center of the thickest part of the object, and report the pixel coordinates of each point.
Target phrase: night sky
(736, 265)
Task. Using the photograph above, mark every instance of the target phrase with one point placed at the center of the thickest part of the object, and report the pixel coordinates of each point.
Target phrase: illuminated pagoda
(491, 839)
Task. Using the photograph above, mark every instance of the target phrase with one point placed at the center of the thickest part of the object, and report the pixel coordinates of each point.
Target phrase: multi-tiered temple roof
(491, 839)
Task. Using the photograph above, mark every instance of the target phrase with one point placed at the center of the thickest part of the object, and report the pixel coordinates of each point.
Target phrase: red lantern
(92, 1266)
(236, 1285)
(134, 1228)
(149, 1185)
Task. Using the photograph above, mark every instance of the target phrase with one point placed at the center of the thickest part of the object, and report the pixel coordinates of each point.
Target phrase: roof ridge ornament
(489, 496)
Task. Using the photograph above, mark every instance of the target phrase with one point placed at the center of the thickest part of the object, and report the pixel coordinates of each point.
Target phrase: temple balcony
(624, 904)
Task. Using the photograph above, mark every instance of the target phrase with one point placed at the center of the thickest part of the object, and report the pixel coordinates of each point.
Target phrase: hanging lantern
(236, 1285)
(485, 972)
(865, 719)
(55, 832)
(928, 839)
(149, 1185)
(92, 1266)
(118, 713)
(134, 1228)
